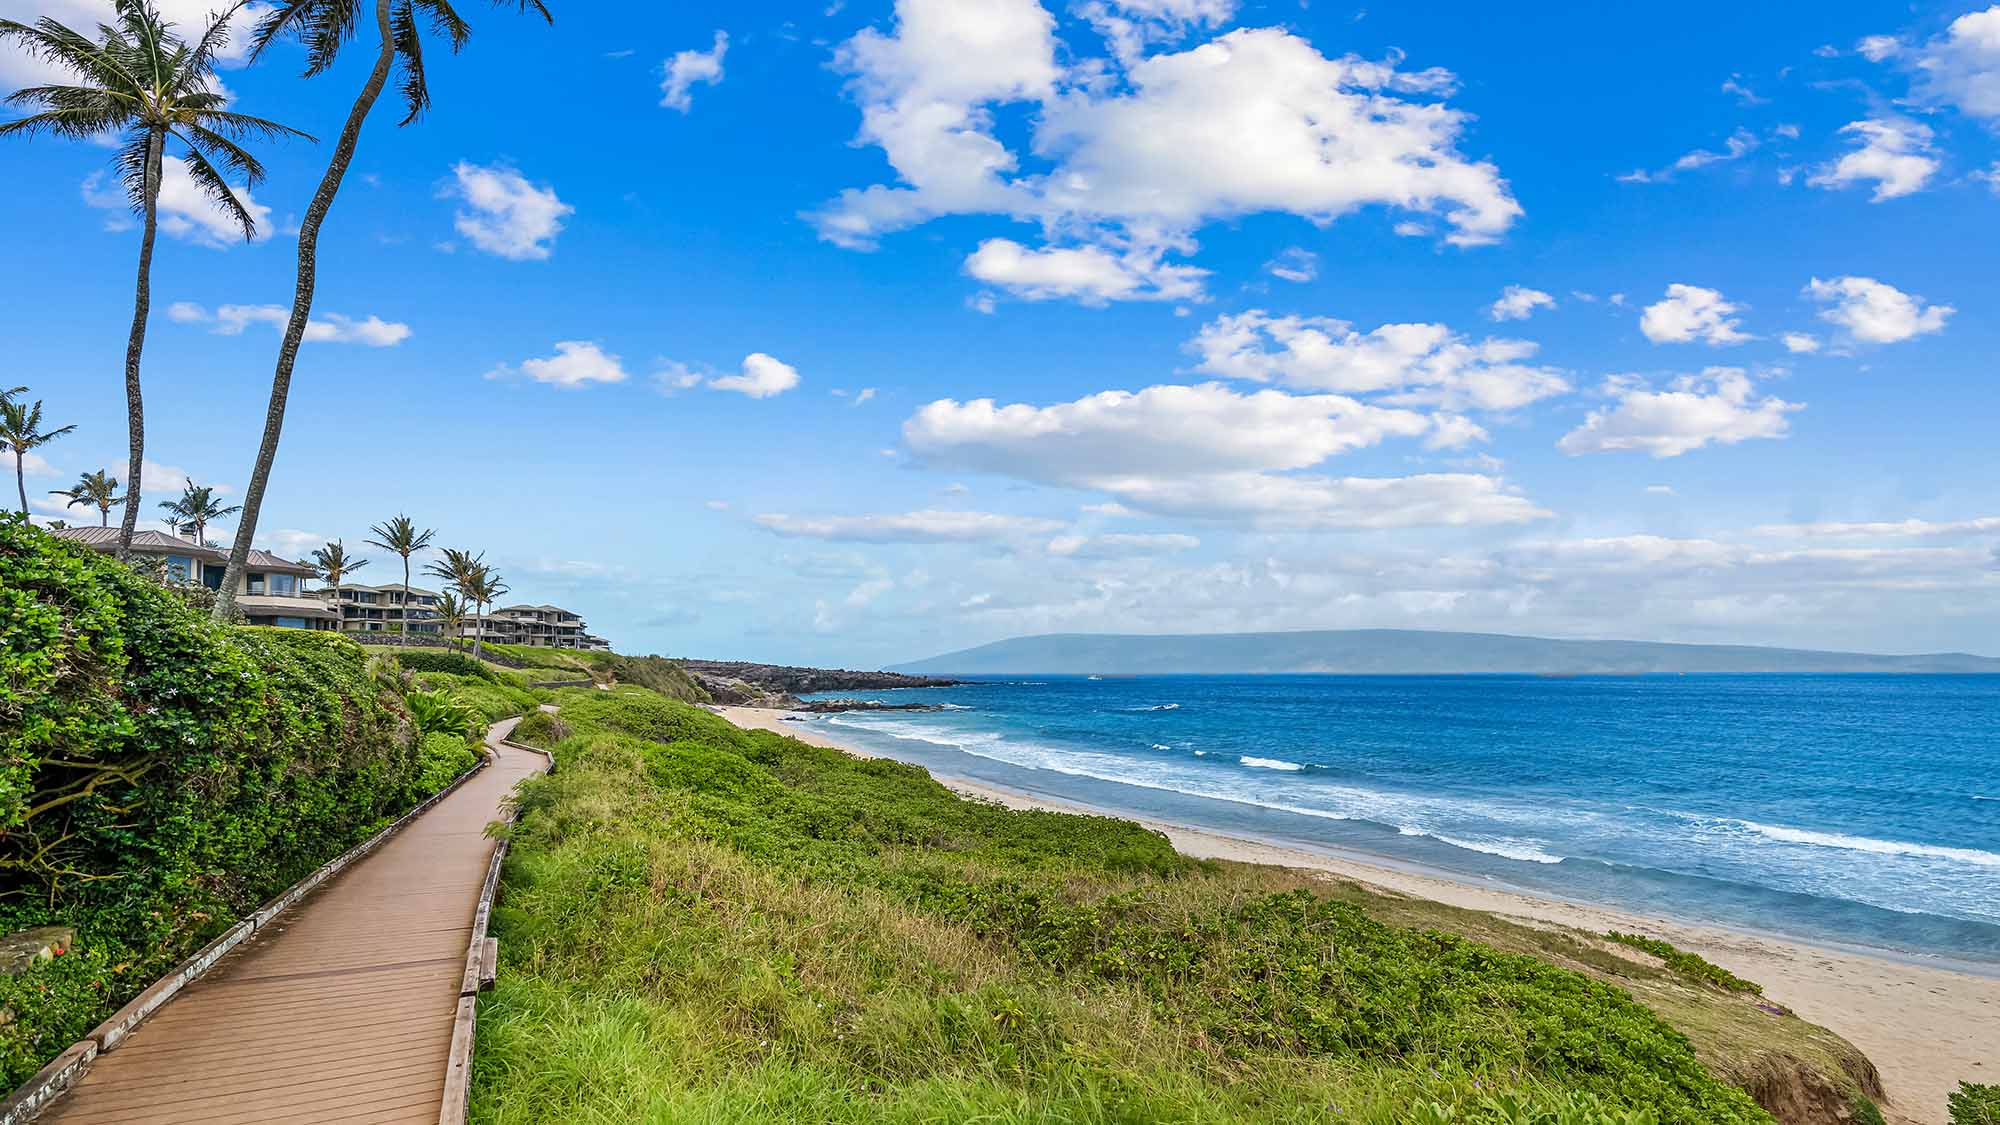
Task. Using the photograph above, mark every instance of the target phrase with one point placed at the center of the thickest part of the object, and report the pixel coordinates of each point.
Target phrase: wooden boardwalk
(341, 1009)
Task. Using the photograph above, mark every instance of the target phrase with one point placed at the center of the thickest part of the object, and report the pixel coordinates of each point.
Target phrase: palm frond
(239, 126)
(445, 21)
(410, 49)
(218, 190)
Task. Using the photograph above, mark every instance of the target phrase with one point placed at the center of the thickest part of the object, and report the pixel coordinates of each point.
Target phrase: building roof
(536, 609)
(160, 543)
(278, 606)
(385, 588)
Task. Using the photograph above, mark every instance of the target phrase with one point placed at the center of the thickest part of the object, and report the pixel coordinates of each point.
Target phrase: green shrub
(493, 701)
(442, 757)
(1975, 1104)
(540, 730)
(1693, 966)
(455, 663)
(440, 712)
(655, 674)
(160, 776)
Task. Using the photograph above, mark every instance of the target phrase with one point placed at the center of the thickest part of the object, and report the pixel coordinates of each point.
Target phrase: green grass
(706, 924)
(1690, 965)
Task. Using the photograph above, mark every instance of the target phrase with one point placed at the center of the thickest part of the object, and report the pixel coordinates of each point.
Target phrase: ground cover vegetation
(163, 775)
(705, 923)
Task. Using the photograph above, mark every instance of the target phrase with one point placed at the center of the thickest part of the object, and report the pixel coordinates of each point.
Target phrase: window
(177, 567)
(256, 584)
(284, 584)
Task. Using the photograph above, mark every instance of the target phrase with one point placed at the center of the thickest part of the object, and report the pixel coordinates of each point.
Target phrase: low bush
(493, 701)
(1975, 1104)
(161, 775)
(540, 730)
(655, 674)
(441, 758)
(1693, 966)
(455, 663)
(705, 922)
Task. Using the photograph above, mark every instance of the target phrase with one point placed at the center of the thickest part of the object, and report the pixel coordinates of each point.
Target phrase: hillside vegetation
(705, 923)
(162, 776)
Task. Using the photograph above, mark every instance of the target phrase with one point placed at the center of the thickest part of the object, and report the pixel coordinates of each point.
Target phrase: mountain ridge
(1406, 652)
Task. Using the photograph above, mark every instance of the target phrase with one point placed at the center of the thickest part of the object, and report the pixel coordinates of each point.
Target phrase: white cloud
(185, 210)
(1962, 67)
(716, 505)
(865, 394)
(1894, 156)
(1428, 364)
(1089, 274)
(1209, 452)
(1688, 313)
(1518, 302)
(190, 17)
(325, 328)
(503, 213)
(32, 464)
(576, 364)
(689, 67)
(293, 543)
(1898, 529)
(1253, 121)
(1118, 545)
(156, 478)
(762, 376)
(928, 526)
(1739, 144)
(1800, 343)
(1875, 48)
(1295, 264)
(1660, 490)
(1718, 406)
(1744, 94)
(1991, 176)
(1130, 26)
(1875, 313)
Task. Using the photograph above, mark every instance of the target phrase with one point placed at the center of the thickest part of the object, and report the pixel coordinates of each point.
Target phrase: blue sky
(857, 332)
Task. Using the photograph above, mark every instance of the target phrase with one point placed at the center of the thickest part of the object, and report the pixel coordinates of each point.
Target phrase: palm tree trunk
(302, 299)
(21, 480)
(404, 640)
(135, 345)
(481, 612)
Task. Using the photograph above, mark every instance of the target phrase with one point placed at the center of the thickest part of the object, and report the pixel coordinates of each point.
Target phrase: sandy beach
(1925, 1028)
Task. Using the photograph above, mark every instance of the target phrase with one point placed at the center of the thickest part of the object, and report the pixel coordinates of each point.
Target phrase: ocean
(1859, 810)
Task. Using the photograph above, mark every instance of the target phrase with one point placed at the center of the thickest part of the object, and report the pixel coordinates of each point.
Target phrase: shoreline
(1925, 1027)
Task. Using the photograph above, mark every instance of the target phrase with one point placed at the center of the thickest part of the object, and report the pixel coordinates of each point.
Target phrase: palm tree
(196, 509)
(401, 536)
(333, 564)
(324, 26)
(463, 572)
(450, 614)
(141, 81)
(21, 431)
(484, 589)
(98, 489)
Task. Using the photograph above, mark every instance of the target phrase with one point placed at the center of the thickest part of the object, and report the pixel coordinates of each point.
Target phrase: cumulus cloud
(1875, 313)
(185, 210)
(1209, 452)
(1518, 302)
(1894, 155)
(689, 67)
(1129, 27)
(928, 526)
(191, 18)
(1800, 343)
(1688, 313)
(1253, 121)
(1719, 406)
(762, 376)
(323, 328)
(1425, 364)
(1961, 68)
(576, 364)
(1091, 275)
(503, 213)
(1883, 529)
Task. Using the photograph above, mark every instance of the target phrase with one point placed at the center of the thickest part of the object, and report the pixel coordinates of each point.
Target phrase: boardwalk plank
(340, 1010)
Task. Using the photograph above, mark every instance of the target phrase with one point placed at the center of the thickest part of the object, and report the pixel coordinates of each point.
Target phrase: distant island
(1409, 652)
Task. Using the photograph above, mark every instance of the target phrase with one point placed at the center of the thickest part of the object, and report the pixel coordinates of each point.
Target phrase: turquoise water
(1856, 809)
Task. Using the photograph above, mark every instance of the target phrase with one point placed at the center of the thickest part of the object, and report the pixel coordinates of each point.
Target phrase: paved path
(341, 1010)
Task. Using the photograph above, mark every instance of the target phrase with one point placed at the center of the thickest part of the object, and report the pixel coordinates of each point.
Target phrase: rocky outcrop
(744, 684)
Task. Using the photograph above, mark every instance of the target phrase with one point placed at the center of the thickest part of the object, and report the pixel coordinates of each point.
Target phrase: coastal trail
(340, 1010)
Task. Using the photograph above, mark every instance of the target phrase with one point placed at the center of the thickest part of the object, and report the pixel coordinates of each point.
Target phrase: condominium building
(272, 591)
(380, 609)
(543, 626)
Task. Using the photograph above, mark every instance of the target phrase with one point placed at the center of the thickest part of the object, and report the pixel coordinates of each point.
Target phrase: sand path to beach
(1925, 1028)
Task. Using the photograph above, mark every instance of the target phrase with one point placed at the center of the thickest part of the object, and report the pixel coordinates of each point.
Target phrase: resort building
(272, 592)
(382, 609)
(543, 626)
